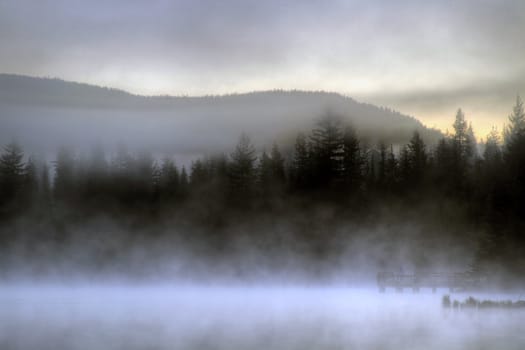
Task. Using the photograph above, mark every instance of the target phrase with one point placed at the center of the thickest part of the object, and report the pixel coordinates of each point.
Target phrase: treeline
(330, 165)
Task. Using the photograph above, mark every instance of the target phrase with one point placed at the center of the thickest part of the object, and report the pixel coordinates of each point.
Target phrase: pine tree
(11, 172)
(199, 175)
(417, 158)
(277, 165)
(464, 143)
(472, 145)
(352, 161)
(381, 166)
(264, 173)
(492, 152)
(327, 150)
(184, 183)
(405, 166)
(45, 187)
(242, 168)
(514, 133)
(514, 156)
(64, 175)
(301, 163)
(169, 179)
(30, 185)
(391, 169)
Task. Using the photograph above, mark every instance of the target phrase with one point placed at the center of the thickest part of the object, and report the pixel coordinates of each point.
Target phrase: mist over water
(242, 317)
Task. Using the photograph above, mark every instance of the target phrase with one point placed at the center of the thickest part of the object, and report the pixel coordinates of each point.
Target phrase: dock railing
(453, 281)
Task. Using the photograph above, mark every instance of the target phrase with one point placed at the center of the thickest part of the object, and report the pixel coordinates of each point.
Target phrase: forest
(321, 200)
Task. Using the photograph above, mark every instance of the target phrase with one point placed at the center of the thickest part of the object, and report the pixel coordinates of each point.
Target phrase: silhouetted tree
(391, 170)
(30, 184)
(417, 159)
(199, 175)
(11, 173)
(404, 166)
(514, 155)
(96, 182)
(301, 165)
(514, 133)
(353, 161)
(264, 172)
(327, 150)
(277, 165)
(492, 153)
(242, 168)
(460, 138)
(64, 181)
(169, 179)
(184, 183)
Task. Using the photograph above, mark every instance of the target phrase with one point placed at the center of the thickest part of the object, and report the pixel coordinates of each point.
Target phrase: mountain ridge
(268, 115)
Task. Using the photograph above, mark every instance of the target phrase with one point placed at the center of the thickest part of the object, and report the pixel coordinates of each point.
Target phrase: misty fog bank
(329, 206)
(163, 317)
(297, 245)
(44, 114)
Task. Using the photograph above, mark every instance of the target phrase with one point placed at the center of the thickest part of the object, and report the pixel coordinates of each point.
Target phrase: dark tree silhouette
(301, 164)
(331, 175)
(64, 181)
(169, 180)
(417, 159)
(327, 148)
(11, 173)
(352, 162)
(242, 169)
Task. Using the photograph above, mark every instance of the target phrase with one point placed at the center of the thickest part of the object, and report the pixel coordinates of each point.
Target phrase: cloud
(401, 50)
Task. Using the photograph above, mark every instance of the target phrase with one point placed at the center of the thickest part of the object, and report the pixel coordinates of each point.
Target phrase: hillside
(43, 113)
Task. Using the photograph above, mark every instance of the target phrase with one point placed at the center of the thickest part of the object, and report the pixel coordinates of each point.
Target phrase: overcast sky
(424, 58)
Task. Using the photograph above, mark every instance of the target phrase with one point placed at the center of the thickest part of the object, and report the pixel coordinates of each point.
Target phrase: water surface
(170, 317)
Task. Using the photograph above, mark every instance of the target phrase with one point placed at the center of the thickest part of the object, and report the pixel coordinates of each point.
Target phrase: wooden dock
(453, 281)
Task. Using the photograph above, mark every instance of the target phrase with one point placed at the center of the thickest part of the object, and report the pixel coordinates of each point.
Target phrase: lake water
(168, 317)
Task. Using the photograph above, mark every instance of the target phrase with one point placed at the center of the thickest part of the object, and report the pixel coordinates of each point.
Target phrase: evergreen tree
(381, 166)
(514, 133)
(462, 153)
(352, 161)
(242, 168)
(96, 177)
(169, 179)
(11, 172)
(184, 183)
(460, 137)
(277, 165)
(199, 175)
(391, 171)
(327, 150)
(301, 163)
(472, 145)
(45, 188)
(443, 162)
(492, 153)
(265, 173)
(30, 185)
(405, 166)
(64, 180)
(514, 155)
(417, 158)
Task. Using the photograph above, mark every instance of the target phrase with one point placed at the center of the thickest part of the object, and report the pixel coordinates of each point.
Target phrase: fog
(246, 248)
(228, 317)
(44, 114)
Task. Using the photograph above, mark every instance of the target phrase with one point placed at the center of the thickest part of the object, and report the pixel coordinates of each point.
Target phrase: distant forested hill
(44, 113)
